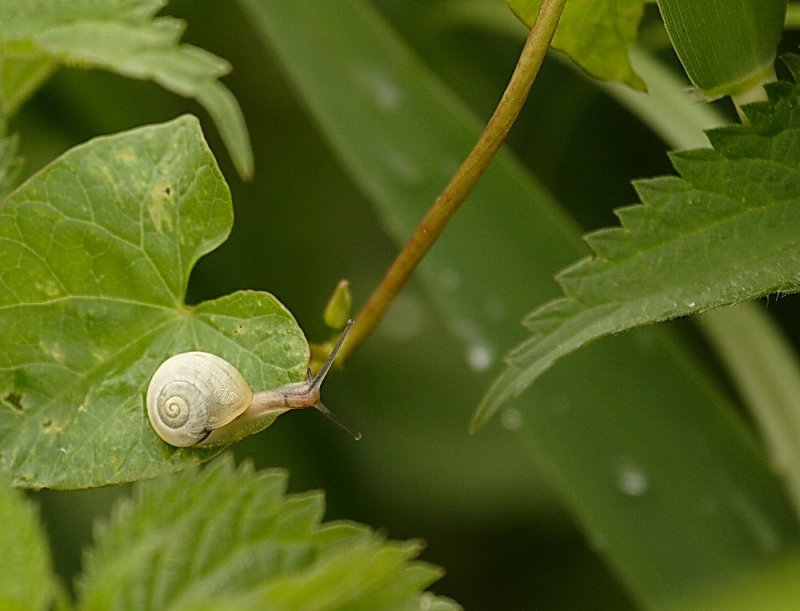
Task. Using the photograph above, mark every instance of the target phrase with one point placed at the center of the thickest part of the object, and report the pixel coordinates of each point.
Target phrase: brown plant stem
(464, 180)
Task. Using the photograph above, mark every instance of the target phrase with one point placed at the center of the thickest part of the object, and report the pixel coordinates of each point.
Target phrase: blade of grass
(764, 368)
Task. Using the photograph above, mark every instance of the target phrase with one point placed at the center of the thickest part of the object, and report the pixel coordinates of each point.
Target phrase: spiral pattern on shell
(193, 393)
(175, 401)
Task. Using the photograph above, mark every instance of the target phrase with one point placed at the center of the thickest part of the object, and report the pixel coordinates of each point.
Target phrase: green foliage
(722, 232)
(95, 256)
(596, 34)
(228, 538)
(223, 538)
(607, 424)
(121, 36)
(647, 455)
(25, 580)
(727, 47)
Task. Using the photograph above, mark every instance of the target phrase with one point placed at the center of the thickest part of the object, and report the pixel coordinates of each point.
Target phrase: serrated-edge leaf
(724, 231)
(124, 37)
(228, 537)
(25, 579)
(365, 572)
(21, 19)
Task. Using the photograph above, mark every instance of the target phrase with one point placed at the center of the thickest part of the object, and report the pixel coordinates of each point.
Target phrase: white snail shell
(192, 394)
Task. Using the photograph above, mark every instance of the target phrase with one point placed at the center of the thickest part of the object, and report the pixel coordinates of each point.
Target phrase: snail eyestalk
(329, 415)
(317, 381)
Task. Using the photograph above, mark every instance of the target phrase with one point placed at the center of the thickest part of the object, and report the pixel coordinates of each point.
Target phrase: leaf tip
(499, 392)
(476, 423)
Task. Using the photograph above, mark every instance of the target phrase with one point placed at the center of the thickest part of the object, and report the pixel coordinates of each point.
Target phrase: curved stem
(465, 178)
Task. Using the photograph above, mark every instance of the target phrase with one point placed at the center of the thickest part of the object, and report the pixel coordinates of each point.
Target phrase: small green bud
(337, 311)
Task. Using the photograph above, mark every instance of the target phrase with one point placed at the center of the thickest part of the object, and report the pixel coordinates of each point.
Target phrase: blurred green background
(483, 504)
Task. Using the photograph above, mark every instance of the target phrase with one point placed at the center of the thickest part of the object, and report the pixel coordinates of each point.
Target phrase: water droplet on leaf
(450, 279)
(511, 419)
(479, 358)
(631, 480)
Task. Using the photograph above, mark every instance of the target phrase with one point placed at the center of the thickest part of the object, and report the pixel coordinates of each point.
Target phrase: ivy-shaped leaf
(124, 37)
(725, 231)
(228, 538)
(595, 34)
(25, 580)
(95, 256)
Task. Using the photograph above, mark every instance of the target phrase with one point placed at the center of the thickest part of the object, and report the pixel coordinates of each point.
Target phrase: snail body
(197, 398)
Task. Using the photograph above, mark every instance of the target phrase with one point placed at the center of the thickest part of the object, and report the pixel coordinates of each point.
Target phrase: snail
(198, 398)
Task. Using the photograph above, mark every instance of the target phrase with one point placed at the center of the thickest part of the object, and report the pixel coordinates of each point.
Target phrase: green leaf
(727, 47)
(25, 581)
(95, 255)
(596, 34)
(123, 36)
(228, 538)
(723, 232)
